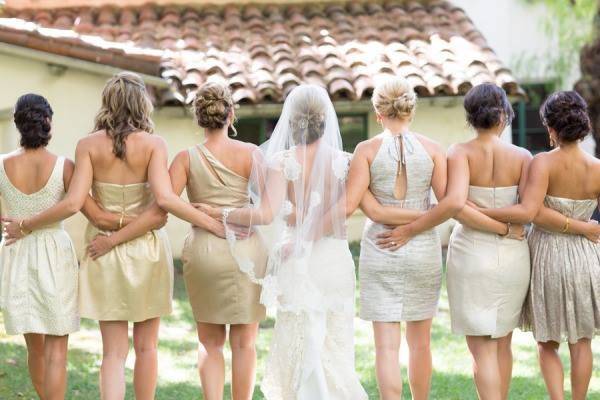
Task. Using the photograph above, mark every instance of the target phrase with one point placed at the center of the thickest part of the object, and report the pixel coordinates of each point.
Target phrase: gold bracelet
(566, 228)
(23, 231)
(121, 221)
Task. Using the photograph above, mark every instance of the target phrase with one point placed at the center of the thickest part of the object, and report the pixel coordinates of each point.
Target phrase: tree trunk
(589, 84)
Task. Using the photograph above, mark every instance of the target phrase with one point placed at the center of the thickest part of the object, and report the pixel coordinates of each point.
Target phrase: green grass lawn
(177, 361)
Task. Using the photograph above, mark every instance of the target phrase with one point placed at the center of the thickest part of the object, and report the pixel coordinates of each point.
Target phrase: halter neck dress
(400, 285)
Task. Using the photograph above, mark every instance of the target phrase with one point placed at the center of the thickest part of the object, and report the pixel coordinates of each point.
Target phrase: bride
(298, 208)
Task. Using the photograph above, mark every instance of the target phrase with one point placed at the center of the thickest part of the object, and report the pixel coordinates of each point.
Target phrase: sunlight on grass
(178, 377)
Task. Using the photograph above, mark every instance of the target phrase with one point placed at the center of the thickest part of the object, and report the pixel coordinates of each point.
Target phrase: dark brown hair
(33, 116)
(487, 107)
(567, 113)
(126, 108)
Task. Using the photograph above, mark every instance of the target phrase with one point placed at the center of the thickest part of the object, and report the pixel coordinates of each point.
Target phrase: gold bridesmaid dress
(134, 281)
(219, 292)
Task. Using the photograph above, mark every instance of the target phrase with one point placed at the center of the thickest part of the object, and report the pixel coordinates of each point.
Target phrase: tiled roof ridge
(264, 50)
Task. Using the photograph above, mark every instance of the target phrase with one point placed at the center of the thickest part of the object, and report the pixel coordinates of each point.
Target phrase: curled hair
(395, 98)
(213, 105)
(567, 113)
(126, 108)
(33, 116)
(487, 107)
(307, 119)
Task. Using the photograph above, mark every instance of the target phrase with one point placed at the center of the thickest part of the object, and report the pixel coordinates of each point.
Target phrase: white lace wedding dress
(298, 192)
(311, 356)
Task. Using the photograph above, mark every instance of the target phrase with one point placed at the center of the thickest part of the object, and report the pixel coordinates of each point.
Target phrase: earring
(234, 130)
(552, 141)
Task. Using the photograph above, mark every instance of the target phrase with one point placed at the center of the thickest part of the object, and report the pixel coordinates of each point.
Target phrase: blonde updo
(213, 105)
(395, 98)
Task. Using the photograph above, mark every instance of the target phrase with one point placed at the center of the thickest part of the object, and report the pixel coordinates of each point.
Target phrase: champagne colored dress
(134, 281)
(400, 285)
(564, 295)
(219, 292)
(38, 273)
(487, 275)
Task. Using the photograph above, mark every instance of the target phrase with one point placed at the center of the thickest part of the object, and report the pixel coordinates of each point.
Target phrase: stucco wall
(75, 97)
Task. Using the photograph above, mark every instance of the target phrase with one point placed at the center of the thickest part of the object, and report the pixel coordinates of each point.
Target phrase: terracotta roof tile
(265, 51)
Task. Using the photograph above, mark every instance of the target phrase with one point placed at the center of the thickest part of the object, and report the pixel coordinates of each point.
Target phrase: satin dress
(487, 275)
(134, 281)
(219, 292)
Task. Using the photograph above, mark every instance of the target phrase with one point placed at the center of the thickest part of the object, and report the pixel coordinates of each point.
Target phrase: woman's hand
(12, 230)
(592, 232)
(101, 245)
(516, 231)
(395, 238)
(214, 212)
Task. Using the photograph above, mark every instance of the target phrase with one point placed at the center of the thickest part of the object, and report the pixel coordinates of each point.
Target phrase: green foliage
(568, 24)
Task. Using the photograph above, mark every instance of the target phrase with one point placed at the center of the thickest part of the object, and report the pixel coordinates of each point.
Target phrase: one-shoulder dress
(38, 273)
(219, 292)
(400, 285)
(487, 275)
(134, 281)
(564, 295)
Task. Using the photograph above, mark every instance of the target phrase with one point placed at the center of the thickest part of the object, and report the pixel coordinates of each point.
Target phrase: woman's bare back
(233, 154)
(110, 169)
(494, 163)
(573, 174)
(29, 171)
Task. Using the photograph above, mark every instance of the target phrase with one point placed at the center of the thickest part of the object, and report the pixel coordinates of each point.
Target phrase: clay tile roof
(264, 51)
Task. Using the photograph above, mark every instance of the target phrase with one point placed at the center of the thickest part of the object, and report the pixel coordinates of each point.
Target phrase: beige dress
(134, 281)
(564, 297)
(38, 273)
(219, 292)
(487, 275)
(404, 284)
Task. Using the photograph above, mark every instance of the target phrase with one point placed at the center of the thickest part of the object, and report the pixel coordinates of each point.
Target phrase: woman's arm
(475, 219)
(387, 215)
(79, 188)
(152, 218)
(532, 197)
(160, 183)
(446, 173)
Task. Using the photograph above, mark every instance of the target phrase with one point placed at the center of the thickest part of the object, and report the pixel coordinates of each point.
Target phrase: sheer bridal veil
(297, 188)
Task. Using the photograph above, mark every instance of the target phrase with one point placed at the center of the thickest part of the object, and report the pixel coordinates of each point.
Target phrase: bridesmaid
(124, 279)
(38, 275)
(488, 263)
(560, 197)
(216, 172)
(401, 269)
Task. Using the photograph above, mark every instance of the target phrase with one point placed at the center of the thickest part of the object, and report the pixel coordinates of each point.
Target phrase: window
(353, 128)
(527, 128)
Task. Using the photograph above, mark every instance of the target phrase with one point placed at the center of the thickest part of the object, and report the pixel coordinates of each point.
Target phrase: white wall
(513, 28)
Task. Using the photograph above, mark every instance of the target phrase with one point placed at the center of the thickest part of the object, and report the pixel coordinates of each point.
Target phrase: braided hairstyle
(33, 118)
